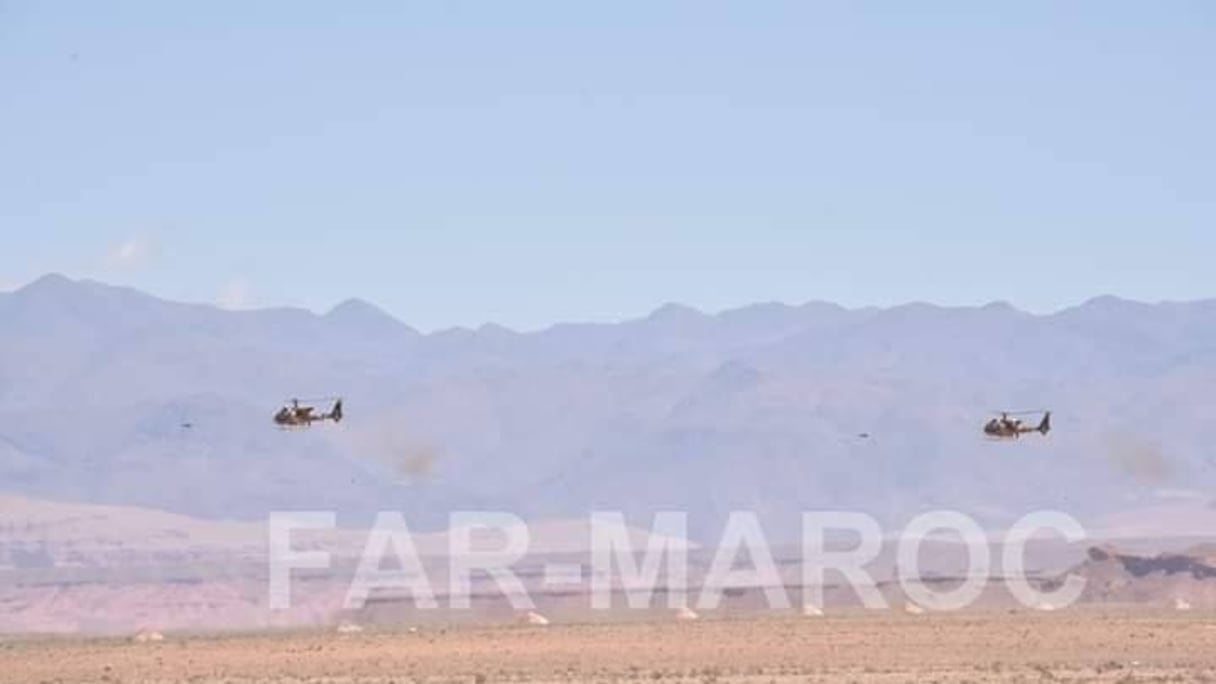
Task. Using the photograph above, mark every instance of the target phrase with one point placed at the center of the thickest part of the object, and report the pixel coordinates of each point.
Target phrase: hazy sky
(527, 162)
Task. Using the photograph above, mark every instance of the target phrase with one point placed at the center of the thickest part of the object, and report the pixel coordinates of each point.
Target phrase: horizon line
(662, 309)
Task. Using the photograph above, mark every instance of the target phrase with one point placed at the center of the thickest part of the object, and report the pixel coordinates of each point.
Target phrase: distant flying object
(1004, 427)
(295, 415)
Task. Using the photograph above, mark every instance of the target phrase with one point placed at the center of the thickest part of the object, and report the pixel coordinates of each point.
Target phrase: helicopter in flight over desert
(1005, 427)
(293, 414)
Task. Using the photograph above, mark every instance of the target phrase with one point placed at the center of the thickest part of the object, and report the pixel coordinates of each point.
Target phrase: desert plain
(1084, 644)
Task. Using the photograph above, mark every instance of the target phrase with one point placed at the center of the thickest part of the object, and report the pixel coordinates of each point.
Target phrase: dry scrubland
(1082, 645)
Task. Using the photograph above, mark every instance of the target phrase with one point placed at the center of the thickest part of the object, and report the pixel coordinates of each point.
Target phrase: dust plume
(1138, 459)
(390, 441)
(416, 462)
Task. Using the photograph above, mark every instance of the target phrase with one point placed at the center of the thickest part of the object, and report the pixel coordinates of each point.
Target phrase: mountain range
(112, 396)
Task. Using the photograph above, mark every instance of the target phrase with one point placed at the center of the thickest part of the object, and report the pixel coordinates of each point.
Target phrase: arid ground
(1079, 645)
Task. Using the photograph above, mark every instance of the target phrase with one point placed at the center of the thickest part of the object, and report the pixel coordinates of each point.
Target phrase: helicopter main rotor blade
(1021, 413)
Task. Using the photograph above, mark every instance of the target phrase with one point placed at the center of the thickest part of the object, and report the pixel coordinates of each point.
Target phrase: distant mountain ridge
(758, 408)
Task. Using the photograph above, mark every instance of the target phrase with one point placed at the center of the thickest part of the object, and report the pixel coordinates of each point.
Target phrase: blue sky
(532, 162)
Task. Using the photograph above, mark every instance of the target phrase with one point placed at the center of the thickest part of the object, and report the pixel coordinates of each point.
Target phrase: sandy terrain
(74, 571)
(1097, 645)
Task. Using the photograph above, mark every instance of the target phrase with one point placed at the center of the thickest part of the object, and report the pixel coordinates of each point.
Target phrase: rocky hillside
(108, 395)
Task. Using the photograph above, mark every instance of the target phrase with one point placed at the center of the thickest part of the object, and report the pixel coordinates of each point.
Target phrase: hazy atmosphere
(680, 342)
(531, 163)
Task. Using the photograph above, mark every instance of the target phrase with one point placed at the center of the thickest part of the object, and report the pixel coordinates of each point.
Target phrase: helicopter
(293, 414)
(1004, 427)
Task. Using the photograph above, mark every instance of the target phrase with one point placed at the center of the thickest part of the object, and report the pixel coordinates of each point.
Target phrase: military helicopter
(1004, 427)
(294, 415)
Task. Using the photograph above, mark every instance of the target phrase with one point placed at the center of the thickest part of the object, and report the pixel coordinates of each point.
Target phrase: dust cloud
(391, 441)
(1138, 458)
